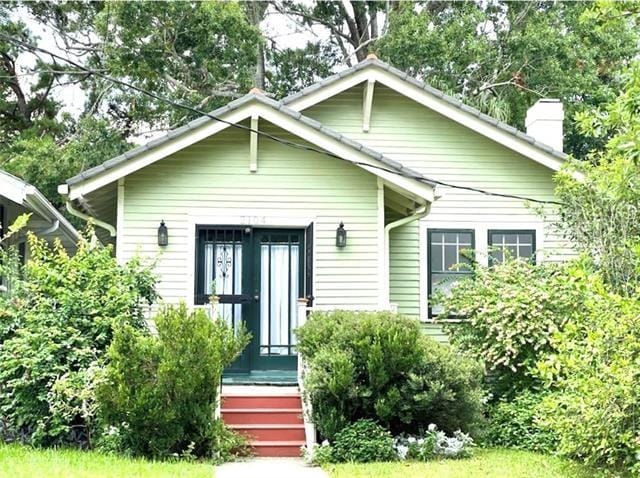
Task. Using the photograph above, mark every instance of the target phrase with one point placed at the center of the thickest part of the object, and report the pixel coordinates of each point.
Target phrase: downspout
(93, 220)
(54, 227)
(419, 214)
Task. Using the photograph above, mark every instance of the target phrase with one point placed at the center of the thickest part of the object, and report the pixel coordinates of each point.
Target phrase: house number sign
(252, 220)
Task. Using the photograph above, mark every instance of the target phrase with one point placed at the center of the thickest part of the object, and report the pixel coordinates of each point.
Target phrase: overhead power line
(293, 144)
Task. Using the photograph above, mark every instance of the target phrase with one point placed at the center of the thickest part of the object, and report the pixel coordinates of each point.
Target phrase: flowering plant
(433, 444)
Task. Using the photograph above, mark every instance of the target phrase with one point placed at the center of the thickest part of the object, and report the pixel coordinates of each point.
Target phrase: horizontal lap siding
(404, 269)
(212, 179)
(441, 149)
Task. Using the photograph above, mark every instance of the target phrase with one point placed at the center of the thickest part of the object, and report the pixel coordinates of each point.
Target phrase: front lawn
(24, 462)
(485, 464)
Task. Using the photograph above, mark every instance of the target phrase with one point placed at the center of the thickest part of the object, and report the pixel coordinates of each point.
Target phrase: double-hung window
(513, 244)
(450, 255)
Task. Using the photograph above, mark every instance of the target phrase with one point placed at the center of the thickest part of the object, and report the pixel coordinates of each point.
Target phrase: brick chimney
(544, 122)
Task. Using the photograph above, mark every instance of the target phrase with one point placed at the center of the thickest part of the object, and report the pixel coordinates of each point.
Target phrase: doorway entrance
(259, 275)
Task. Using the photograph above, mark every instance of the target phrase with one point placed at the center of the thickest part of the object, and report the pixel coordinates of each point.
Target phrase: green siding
(404, 269)
(435, 332)
(211, 180)
(426, 141)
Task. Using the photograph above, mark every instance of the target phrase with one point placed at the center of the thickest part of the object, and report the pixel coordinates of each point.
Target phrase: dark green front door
(259, 276)
(278, 284)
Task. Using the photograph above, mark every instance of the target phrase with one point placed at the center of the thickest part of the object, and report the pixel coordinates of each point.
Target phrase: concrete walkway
(268, 468)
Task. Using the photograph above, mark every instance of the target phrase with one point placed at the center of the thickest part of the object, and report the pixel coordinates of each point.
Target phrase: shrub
(322, 454)
(62, 313)
(596, 382)
(164, 388)
(516, 424)
(510, 311)
(380, 366)
(362, 442)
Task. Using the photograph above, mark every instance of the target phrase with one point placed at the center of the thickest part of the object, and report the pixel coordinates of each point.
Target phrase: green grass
(484, 464)
(24, 462)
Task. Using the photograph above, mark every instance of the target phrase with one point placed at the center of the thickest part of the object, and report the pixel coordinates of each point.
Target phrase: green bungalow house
(337, 202)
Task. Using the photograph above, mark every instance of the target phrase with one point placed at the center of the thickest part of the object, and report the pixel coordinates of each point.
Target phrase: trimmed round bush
(362, 442)
(381, 366)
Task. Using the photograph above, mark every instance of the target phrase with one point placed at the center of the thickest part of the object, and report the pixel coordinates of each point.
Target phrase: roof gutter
(92, 220)
(419, 213)
(38, 203)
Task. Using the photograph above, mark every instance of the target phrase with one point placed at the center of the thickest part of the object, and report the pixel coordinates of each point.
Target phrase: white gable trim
(420, 191)
(28, 196)
(418, 94)
(12, 188)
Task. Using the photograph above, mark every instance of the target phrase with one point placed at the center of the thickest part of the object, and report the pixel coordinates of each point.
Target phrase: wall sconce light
(163, 235)
(341, 236)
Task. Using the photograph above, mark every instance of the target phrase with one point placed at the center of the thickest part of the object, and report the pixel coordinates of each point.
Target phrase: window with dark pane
(450, 257)
(511, 244)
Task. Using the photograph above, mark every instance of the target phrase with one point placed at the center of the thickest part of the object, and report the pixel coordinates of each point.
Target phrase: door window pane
(279, 292)
(220, 271)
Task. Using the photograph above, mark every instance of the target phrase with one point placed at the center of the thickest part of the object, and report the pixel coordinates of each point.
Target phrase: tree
(26, 95)
(600, 210)
(293, 69)
(353, 26)
(502, 56)
(199, 53)
(45, 160)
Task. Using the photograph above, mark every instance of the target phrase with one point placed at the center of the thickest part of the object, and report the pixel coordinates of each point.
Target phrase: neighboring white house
(353, 215)
(18, 197)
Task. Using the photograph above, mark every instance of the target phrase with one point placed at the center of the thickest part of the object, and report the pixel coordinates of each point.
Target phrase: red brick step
(263, 401)
(262, 416)
(277, 448)
(271, 417)
(272, 432)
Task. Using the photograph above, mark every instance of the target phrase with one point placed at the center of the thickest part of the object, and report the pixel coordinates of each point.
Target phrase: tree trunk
(9, 68)
(255, 14)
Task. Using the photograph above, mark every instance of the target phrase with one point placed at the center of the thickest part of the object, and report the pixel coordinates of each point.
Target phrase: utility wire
(293, 144)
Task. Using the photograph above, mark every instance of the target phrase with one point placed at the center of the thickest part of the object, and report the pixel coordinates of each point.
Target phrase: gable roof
(372, 68)
(27, 196)
(380, 165)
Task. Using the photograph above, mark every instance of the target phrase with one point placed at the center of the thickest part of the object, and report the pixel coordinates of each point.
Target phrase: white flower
(411, 440)
(325, 443)
(432, 427)
(402, 451)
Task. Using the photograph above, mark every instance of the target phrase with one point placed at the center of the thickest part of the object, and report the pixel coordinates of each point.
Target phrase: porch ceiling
(398, 205)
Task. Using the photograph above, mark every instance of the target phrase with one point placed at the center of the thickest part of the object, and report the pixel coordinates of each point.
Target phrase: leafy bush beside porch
(380, 366)
(160, 391)
(56, 324)
(568, 378)
(80, 367)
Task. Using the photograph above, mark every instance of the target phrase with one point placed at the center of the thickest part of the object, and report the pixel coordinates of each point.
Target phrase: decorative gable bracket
(367, 104)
